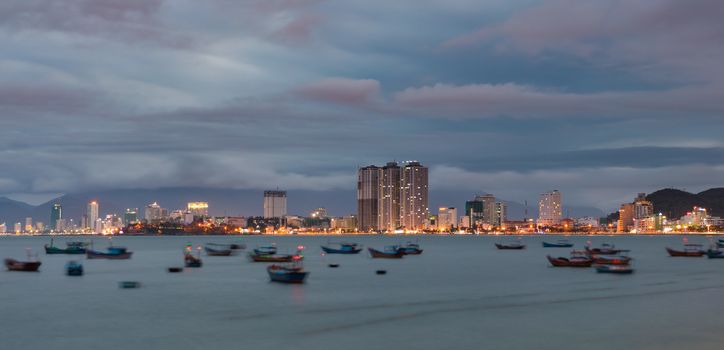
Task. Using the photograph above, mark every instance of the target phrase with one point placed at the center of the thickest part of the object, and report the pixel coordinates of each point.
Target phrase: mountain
(13, 211)
(675, 203)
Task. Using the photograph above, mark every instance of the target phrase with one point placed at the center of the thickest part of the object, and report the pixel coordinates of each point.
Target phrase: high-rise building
(414, 210)
(56, 213)
(482, 210)
(91, 213)
(368, 198)
(154, 213)
(643, 208)
(28, 224)
(499, 214)
(447, 218)
(198, 209)
(275, 204)
(60, 225)
(550, 210)
(625, 217)
(319, 213)
(3, 228)
(130, 216)
(18, 228)
(390, 200)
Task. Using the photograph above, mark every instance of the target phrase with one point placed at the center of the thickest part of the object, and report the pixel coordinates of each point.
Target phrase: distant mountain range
(676, 203)
(235, 203)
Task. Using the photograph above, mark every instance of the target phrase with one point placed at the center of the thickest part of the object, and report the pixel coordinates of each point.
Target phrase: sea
(461, 293)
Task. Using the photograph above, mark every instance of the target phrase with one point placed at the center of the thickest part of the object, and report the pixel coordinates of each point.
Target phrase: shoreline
(610, 234)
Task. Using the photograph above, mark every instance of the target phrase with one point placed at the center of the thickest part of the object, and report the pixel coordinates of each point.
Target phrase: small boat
(175, 269)
(510, 246)
(73, 248)
(192, 261)
(715, 254)
(381, 272)
(274, 257)
(388, 253)
(605, 249)
(611, 259)
(343, 248)
(113, 253)
(287, 273)
(576, 260)
(270, 249)
(129, 284)
(563, 243)
(28, 266)
(218, 250)
(618, 269)
(74, 268)
(690, 250)
(409, 248)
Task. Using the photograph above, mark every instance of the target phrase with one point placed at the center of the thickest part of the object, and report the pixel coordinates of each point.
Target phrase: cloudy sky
(600, 99)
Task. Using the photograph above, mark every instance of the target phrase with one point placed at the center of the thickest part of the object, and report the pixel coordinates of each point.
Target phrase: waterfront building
(625, 217)
(499, 214)
(130, 216)
(56, 213)
(344, 223)
(550, 210)
(18, 228)
(39, 226)
(464, 222)
(3, 228)
(275, 204)
(447, 218)
(485, 211)
(390, 200)
(60, 225)
(414, 210)
(587, 221)
(319, 213)
(28, 224)
(154, 213)
(198, 209)
(368, 198)
(92, 213)
(643, 208)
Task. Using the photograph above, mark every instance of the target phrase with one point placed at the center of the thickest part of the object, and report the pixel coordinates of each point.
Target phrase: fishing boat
(192, 261)
(113, 253)
(28, 266)
(577, 259)
(293, 273)
(77, 244)
(409, 248)
(605, 249)
(388, 253)
(611, 259)
(715, 254)
(73, 268)
(342, 248)
(269, 249)
(261, 257)
(212, 249)
(618, 269)
(690, 250)
(72, 248)
(510, 246)
(562, 243)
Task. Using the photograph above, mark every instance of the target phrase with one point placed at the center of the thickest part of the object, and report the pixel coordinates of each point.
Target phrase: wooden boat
(274, 257)
(715, 254)
(559, 244)
(287, 273)
(618, 269)
(390, 253)
(192, 261)
(343, 248)
(72, 248)
(690, 250)
(73, 268)
(611, 259)
(409, 249)
(573, 261)
(605, 249)
(218, 250)
(113, 253)
(28, 266)
(266, 250)
(510, 246)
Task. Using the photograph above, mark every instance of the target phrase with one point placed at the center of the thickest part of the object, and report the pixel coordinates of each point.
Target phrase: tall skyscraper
(130, 216)
(275, 204)
(92, 214)
(368, 198)
(56, 213)
(550, 210)
(499, 214)
(482, 210)
(414, 211)
(198, 209)
(389, 203)
(153, 213)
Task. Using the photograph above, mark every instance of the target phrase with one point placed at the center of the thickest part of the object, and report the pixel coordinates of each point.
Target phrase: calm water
(460, 293)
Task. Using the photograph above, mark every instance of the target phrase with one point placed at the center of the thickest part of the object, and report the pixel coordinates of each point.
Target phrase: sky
(599, 99)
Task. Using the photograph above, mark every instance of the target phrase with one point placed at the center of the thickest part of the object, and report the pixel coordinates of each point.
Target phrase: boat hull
(509, 246)
(685, 253)
(272, 258)
(374, 253)
(218, 252)
(281, 275)
(25, 266)
(714, 254)
(330, 250)
(621, 270)
(612, 260)
(557, 245)
(92, 254)
(69, 250)
(565, 262)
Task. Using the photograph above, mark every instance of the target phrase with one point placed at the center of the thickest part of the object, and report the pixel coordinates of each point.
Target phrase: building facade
(414, 210)
(56, 213)
(91, 214)
(368, 198)
(550, 208)
(447, 218)
(198, 209)
(275, 204)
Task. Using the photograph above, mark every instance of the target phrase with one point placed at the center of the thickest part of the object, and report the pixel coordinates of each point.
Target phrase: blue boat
(559, 244)
(293, 273)
(715, 254)
(74, 268)
(113, 253)
(343, 248)
(409, 248)
(266, 250)
(617, 269)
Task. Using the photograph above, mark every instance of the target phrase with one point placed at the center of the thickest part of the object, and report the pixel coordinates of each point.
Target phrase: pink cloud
(341, 91)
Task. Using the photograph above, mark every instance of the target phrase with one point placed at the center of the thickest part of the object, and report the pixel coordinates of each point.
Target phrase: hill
(675, 203)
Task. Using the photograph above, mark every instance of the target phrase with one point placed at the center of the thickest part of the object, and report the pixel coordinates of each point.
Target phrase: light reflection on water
(461, 292)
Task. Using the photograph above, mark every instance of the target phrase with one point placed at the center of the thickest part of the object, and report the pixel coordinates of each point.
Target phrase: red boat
(574, 261)
(14, 265)
(612, 260)
(690, 250)
(391, 254)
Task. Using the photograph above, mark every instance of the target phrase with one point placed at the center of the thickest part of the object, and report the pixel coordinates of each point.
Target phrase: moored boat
(342, 248)
(269, 249)
(690, 250)
(510, 246)
(218, 250)
(409, 248)
(605, 249)
(618, 269)
(287, 273)
(113, 253)
(261, 257)
(715, 254)
(192, 261)
(562, 243)
(27, 266)
(611, 259)
(73, 268)
(575, 260)
(388, 253)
